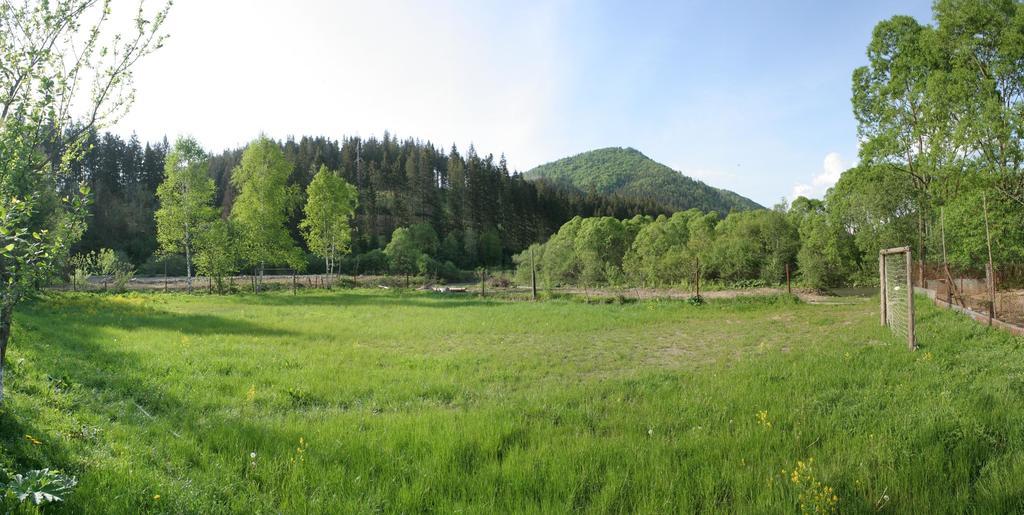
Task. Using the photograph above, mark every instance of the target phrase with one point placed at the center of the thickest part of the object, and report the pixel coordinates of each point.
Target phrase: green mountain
(628, 173)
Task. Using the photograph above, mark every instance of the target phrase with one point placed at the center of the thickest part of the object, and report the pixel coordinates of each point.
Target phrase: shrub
(154, 266)
(372, 262)
(113, 266)
(450, 272)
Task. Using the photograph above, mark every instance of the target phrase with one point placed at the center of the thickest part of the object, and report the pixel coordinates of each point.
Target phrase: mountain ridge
(627, 172)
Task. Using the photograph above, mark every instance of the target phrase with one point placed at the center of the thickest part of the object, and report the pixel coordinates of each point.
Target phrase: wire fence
(897, 308)
(990, 284)
(998, 293)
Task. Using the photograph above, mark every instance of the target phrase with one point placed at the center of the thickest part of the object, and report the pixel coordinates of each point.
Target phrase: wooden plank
(951, 291)
(895, 250)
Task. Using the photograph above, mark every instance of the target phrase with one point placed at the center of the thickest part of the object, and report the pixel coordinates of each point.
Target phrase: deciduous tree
(186, 201)
(261, 209)
(60, 79)
(330, 204)
(217, 252)
(902, 101)
(403, 253)
(984, 84)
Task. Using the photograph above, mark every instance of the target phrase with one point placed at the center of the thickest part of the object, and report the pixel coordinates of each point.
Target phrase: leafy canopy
(186, 198)
(628, 173)
(330, 205)
(403, 253)
(264, 202)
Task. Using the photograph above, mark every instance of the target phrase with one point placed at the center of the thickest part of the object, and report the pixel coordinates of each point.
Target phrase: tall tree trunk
(920, 250)
(188, 258)
(188, 269)
(6, 314)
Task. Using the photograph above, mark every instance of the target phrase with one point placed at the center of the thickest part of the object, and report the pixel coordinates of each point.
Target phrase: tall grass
(397, 402)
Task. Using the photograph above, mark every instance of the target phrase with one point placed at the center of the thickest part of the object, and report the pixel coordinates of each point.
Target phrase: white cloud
(801, 190)
(833, 166)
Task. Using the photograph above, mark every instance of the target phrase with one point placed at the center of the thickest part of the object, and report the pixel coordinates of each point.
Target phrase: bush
(154, 266)
(449, 272)
(828, 255)
(217, 255)
(113, 267)
(427, 266)
(499, 282)
(315, 264)
(371, 263)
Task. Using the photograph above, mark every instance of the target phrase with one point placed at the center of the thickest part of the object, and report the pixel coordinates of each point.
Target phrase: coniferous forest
(481, 211)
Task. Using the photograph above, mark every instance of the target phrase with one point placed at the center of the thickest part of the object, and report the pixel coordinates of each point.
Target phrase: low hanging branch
(48, 55)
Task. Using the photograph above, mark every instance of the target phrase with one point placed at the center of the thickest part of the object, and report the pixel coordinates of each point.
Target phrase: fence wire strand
(896, 295)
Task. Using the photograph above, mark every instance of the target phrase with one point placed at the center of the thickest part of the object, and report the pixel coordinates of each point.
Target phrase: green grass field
(369, 401)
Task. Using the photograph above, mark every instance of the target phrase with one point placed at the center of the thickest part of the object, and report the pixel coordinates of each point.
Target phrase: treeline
(469, 201)
(940, 114)
(940, 119)
(745, 248)
(628, 172)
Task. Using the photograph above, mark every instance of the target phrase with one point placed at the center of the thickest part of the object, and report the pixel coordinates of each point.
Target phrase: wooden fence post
(990, 280)
(881, 282)
(697, 278)
(789, 286)
(945, 262)
(911, 341)
(990, 286)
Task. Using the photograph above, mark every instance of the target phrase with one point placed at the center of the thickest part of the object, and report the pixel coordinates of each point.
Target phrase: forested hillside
(630, 174)
(482, 211)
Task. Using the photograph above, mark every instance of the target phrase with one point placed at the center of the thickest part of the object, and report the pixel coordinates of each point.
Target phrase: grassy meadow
(386, 401)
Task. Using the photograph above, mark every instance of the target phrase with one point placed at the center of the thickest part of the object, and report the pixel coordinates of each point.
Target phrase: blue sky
(749, 96)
